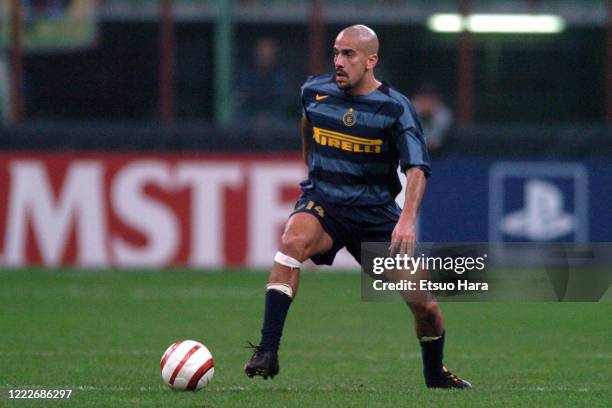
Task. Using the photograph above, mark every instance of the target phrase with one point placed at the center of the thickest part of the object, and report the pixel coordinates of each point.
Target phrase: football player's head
(355, 56)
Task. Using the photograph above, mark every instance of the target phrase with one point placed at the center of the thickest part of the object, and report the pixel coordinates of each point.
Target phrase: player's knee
(426, 311)
(295, 245)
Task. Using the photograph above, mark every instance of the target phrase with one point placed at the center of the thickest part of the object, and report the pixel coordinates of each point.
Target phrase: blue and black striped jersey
(359, 141)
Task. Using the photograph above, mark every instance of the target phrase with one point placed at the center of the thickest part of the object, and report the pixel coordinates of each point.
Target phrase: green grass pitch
(102, 334)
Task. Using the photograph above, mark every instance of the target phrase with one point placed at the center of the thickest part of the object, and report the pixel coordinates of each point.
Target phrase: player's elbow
(421, 172)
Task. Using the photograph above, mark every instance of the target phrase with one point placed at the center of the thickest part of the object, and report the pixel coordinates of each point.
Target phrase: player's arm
(306, 128)
(404, 234)
(414, 161)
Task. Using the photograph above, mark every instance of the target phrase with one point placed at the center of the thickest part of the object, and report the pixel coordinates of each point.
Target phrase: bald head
(355, 57)
(363, 36)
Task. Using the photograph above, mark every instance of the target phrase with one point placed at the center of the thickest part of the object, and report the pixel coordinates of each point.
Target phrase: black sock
(432, 352)
(277, 306)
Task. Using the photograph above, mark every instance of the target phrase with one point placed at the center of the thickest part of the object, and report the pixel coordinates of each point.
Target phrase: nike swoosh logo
(321, 97)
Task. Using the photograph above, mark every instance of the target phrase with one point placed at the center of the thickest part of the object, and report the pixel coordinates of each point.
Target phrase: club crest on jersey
(349, 118)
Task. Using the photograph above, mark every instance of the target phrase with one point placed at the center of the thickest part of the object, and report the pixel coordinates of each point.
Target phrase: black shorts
(349, 226)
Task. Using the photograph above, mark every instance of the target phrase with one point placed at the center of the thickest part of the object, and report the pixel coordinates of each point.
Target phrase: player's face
(350, 63)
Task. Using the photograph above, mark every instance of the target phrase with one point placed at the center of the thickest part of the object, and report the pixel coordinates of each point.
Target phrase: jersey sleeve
(410, 142)
(303, 100)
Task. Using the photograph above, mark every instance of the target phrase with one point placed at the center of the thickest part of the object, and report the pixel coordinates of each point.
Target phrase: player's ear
(372, 61)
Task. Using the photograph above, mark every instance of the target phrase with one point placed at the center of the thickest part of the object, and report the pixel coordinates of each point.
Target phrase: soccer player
(355, 132)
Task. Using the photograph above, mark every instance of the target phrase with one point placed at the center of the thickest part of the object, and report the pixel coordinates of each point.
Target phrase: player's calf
(264, 361)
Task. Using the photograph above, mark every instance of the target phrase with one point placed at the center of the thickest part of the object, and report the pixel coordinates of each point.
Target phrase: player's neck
(366, 87)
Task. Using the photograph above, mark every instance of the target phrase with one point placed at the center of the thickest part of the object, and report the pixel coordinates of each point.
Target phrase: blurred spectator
(435, 116)
(263, 95)
(45, 8)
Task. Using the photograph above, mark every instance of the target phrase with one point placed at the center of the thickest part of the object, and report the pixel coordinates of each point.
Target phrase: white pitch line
(119, 389)
(60, 353)
(555, 389)
(600, 355)
(297, 353)
(213, 389)
(334, 387)
(102, 292)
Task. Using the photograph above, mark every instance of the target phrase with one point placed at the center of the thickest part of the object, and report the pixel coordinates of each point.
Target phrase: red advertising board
(144, 210)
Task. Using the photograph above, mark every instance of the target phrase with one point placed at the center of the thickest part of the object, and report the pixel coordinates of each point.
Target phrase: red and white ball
(187, 365)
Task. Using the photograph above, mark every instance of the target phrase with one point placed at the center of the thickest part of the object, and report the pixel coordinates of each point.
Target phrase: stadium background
(124, 146)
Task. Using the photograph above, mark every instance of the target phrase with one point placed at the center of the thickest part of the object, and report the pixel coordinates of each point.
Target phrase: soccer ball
(187, 365)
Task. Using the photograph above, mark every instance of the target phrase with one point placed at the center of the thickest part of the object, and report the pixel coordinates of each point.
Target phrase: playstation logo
(539, 202)
(543, 218)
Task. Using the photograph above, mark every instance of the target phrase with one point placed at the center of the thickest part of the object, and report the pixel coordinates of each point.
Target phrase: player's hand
(403, 238)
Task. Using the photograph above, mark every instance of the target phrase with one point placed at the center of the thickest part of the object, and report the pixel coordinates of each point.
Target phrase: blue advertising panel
(478, 199)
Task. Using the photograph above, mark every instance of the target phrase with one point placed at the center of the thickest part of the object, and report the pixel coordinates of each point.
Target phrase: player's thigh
(304, 237)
